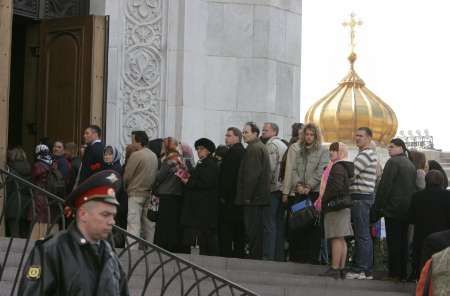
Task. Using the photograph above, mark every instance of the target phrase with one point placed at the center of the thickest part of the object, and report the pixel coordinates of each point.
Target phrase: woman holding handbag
(305, 163)
(335, 202)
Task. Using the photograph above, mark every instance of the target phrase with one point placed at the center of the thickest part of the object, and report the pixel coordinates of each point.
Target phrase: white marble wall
(239, 61)
(191, 68)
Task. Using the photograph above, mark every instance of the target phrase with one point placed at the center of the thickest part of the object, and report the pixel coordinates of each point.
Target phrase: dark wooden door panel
(65, 77)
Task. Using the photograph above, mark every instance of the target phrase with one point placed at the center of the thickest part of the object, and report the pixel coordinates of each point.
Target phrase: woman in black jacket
(169, 188)
(429, 213)
(393, 198)
(200, 208)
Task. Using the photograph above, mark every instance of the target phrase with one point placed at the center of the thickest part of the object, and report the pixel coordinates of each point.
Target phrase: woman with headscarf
(39, 174)
(169, 189)
(336, 183)
(200, 207)
(393, 198)
(111, 159)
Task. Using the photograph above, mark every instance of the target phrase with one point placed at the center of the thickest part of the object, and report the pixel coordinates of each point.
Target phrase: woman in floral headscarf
(39, 174)
(336, 182)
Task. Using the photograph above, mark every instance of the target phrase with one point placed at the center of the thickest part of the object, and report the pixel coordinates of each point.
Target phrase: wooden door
(71, 67)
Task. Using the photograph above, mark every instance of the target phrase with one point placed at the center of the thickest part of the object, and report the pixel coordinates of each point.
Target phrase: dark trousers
(304, 243)
(397, 241)
(232, 237)
(256, 226)
(167, 229)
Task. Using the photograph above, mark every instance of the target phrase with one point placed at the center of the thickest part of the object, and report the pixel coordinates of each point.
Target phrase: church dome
(349, 106)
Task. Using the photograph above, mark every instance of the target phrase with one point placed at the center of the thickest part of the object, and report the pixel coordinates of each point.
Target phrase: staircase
(158, 272)
(265, 278)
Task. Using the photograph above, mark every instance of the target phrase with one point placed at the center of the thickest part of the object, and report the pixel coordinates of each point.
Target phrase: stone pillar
(5, 62)
(135, 68)
(231, 61)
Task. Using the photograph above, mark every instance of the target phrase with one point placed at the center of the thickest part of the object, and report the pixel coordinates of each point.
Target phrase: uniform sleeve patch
(34, 272)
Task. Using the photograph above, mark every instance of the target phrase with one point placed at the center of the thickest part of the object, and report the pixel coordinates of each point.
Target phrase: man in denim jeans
(273, 240)
(362, 192)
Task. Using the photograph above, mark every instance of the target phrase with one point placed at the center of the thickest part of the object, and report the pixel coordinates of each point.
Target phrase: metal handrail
(163, 269)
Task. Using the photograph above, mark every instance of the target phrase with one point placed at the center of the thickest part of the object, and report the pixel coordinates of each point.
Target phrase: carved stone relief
(141, 75)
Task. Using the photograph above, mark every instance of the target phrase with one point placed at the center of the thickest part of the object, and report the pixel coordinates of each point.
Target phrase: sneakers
(331, 272)
(358, 276)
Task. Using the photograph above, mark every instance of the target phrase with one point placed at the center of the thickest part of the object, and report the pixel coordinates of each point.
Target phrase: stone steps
(266, 278)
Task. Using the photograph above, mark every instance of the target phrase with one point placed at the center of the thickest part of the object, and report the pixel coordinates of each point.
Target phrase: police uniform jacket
(67, 264)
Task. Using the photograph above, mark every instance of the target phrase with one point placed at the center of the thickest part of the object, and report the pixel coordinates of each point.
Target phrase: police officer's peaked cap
(101, 186)
(207, 143)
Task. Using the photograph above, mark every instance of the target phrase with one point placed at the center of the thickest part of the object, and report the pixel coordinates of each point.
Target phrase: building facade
(182, 68)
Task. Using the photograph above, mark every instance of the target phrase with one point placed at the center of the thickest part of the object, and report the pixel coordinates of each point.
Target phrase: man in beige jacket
(138, 178)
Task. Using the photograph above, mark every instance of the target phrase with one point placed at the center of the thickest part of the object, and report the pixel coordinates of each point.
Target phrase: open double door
(57, 79)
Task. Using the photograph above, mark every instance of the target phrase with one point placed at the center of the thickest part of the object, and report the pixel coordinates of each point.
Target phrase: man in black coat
(231, 217)
(79, 260)
(253, 189)
(92, 161)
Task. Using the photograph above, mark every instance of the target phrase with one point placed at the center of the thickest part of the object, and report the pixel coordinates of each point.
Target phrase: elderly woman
(336, 183)
(200, 207)
(40, 172)
(429, 213)
(169, 189)
(393, 198)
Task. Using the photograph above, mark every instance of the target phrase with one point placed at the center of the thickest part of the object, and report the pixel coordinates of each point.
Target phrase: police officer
(79, 260)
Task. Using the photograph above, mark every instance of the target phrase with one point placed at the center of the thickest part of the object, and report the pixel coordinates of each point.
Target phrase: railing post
(6, 8)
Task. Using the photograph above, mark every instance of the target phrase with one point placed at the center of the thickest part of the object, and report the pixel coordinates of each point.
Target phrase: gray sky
(403, 50)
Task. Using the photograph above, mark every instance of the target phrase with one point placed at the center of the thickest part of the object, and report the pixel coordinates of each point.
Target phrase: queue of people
(241, 201)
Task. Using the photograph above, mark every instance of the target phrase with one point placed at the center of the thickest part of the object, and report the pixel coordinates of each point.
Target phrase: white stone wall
(239, 61)
(192, 68)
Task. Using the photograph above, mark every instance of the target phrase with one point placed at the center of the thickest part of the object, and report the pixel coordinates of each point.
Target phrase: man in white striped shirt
(362, 192)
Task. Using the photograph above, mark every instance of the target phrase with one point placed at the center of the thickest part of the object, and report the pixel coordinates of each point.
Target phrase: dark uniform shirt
(67, 264)
(92, 160)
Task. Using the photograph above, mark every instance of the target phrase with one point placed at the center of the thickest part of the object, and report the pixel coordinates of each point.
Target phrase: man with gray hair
(273, 241)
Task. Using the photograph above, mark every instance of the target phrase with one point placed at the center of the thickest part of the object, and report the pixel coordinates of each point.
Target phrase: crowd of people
(240, 199)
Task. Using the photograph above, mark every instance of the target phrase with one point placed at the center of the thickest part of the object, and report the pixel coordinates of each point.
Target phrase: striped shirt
(365, 172)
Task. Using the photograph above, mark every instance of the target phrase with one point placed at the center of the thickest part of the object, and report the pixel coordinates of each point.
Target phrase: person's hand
(306, 190)
(284, 198)
(300, 189)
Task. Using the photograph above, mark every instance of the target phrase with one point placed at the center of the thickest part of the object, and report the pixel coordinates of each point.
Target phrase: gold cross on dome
(352, 24)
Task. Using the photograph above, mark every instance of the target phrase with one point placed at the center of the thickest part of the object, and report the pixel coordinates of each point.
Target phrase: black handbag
(303, 214)
(339, 203)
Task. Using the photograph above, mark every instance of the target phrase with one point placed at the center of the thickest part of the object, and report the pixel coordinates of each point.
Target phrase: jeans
(137, 222)
(273, 240)
(397, 241)
(363, 256)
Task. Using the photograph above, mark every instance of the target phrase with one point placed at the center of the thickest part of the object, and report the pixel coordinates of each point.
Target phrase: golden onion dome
(352, 105)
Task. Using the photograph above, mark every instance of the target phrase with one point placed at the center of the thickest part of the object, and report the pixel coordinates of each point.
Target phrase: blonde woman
(305, 163)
